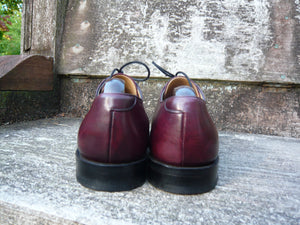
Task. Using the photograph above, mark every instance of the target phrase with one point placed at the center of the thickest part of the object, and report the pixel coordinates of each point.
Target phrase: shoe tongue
(184, 91)
(114, 85)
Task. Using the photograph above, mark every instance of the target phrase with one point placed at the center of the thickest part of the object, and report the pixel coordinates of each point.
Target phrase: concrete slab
(259, 179)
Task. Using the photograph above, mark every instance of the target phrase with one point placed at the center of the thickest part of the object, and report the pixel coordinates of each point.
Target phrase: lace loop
(133, 62)
(114, 72)
(167, 73)
(186, 76)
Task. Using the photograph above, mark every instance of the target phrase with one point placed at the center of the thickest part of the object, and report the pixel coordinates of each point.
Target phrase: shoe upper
(182, 133)
(116, 128)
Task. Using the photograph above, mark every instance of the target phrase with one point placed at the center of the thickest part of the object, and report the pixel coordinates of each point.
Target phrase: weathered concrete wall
(38, 27)
(27, 105)
(239, 51)
(42, 27)
(234, 106)
(256, 40)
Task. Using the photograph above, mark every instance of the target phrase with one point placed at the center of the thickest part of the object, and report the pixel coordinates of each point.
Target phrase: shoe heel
(183, 180)
(110, 177)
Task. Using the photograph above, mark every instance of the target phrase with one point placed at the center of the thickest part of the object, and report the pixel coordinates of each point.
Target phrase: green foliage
(10, 27)
(9, 6)
(10, 45)
(4, 22)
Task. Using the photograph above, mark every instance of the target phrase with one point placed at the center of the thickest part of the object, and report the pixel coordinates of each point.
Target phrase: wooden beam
(26, 73)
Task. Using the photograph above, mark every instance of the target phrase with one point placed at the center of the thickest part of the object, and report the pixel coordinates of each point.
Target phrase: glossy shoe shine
(184, 140)
(113, 136)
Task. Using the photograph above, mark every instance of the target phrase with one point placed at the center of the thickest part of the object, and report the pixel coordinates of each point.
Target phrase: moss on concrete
(27, 105)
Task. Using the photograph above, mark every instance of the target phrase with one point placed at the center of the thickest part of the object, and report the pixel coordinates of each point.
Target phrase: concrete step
(259, 178)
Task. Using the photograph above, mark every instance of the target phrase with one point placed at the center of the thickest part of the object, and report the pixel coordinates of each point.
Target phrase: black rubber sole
(183, 180)
(110, 177)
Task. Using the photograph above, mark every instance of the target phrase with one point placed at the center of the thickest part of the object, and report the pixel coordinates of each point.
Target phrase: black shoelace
(168, 74)
(116, 70)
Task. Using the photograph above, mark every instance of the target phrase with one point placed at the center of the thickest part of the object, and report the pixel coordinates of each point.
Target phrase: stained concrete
(258, 183)
(27, 105)
(42, 26)
(241, 107)
(255, 40)
(237, 40)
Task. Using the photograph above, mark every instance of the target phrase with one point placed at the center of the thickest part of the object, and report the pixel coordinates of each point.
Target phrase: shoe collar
(131, 87)
(180, 81)
(177, 81)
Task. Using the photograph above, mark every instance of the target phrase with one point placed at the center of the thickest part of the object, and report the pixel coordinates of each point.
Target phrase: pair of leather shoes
(113, 139)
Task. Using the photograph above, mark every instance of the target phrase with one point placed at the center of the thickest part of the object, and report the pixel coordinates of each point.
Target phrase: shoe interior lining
(179, 81)
(130, 86)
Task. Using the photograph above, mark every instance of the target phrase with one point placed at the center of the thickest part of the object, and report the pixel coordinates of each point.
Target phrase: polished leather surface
(115, 130)
(182, 133)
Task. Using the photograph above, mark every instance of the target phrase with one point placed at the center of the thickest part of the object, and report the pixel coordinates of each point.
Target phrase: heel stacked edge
(110, 177)
(183, 180)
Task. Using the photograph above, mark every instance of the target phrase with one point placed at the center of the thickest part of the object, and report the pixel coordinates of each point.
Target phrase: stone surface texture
(42, 27)
(27, 105)
(237, 40)
(228, 45)
(234, 106)
(258, 183)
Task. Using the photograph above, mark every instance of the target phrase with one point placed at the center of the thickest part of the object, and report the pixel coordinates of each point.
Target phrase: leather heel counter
(104, 128)
(129, 134)
(92, 135)
(166, 135)
(200, 136)
(183, 133)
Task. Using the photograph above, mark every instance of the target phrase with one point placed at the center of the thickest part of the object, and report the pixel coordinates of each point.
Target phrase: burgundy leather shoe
(113, 136)
(184, 140)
